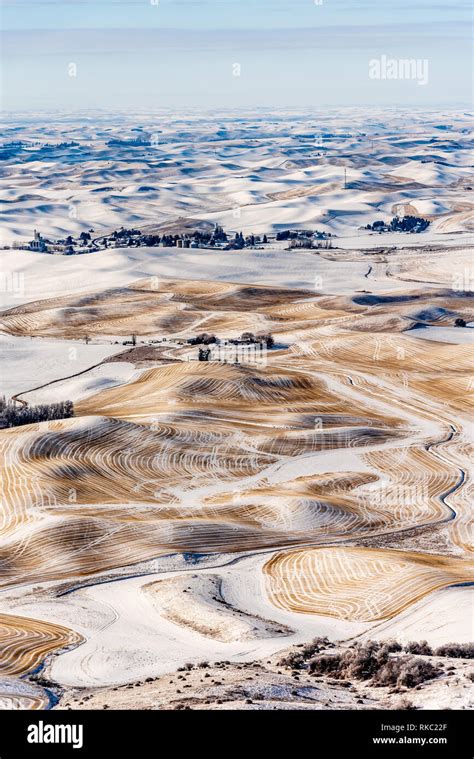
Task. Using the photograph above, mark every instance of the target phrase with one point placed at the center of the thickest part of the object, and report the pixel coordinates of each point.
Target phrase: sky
(177, 54)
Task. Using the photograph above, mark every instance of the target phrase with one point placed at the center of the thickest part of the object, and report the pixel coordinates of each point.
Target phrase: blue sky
(132, 54)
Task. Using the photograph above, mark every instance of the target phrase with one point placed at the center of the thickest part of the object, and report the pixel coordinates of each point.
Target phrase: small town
(214, 239)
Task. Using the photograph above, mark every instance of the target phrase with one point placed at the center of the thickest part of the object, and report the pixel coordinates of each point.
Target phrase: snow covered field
(128, 638)
(52, 276)
(456, 335)
(87, 383)
(259, 173)
(142, 527)
(28, 363)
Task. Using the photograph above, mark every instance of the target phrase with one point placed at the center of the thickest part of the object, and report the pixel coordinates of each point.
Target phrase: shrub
(326, 664)
(364, 660)
(406, 672)
(456, 650)
(405, 704)
(247, 337)
(202, 339)
(294, 660)
(393, 646)
(315, 646)
(372, 660)
(416, 671)
(297, 659)
(420, 649)
(267, 339)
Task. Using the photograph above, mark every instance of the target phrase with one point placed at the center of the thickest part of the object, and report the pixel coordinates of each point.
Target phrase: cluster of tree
(204, 354)
(11, 149)
(289, 234)
(15, 144)
(122, 232)
(248, 338)
(69, 241)
(240, 241)
(400, 224)
(202, 339)
(13, 415)
(135, 237)
(201, 237)
(218, 235)
(151, 241)
(51, 146)
(301, 234)
(137, 142)
(22, 143)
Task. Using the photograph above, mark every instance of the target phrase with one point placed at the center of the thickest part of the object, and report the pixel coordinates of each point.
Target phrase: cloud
(138, 40)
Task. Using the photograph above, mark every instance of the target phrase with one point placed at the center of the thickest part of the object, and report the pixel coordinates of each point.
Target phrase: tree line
(247, 338)
(14, 415)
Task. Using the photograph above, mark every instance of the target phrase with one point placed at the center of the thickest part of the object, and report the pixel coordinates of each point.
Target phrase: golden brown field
(343, 460)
